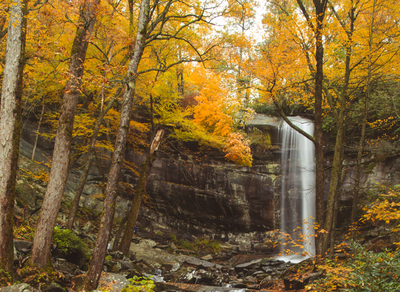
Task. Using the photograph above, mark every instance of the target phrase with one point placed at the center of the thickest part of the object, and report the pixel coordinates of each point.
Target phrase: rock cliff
(197, 193)
(194, 194)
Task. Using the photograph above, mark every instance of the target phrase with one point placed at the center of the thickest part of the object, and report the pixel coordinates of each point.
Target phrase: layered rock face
(199, 194)
(188, 194)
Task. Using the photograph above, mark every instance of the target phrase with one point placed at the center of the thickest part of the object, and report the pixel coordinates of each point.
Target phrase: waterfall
(298, 188)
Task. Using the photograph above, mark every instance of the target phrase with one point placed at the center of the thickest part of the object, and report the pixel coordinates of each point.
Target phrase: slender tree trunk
(40, 255)
(38, 132)
(118, 234)
(85, 172)
(10, 128)
(335, 178)
(363, 129)
(137, 200)
(107, 218)
(357, 175)
(317, 27)
(332, 249)
(320, 8)
(336, 172)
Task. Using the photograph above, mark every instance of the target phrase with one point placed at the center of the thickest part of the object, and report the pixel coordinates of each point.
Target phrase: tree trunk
(85, 172)
(118, 234)
(356, 191)
(37, 132)
(107, 218)
(320, 8)
(10, 128)
(336, 172)
(40, 255)
(137, 200)
(332, 249)
(335, 178)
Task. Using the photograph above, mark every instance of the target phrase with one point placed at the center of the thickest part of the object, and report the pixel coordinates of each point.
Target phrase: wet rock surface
(175, 271)
(225, 269)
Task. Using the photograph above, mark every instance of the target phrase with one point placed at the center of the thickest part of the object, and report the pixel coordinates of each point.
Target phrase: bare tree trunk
(335, 178)
(40, 256)
(320, 8)
(118, 234)
(85, 172)
(356, 191)
(340, 118)
(137, 200)
(38, 132)
(107, 218)
(10, 128)
(332, 244)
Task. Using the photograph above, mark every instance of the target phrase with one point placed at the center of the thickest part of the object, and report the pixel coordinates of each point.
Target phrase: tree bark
(137, 200)
(356, 190)
(336, 172)
(118, 234)
(10, 128)
(88, 164)
(103, 236)
(37, 132)
(335, 178)
(40, 255)
(320, 9)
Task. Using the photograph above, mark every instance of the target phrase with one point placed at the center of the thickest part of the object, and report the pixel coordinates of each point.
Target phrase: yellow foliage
(216, 111)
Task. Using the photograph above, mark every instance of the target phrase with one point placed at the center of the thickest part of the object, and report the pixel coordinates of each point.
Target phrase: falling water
(298, 188)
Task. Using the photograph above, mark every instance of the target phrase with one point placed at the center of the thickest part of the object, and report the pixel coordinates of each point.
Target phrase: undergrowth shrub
(198, 245)
(208, 244)
(363, 271)
(5, 278)
(24, 232)
(38, 278)
(68, 243)
(140, 284)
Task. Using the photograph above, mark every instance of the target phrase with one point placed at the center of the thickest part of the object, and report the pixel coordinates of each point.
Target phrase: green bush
(364, 271)
(173, 238)
(24, 232)
(374, 271)
(186, 244)
(208, 244)
(38, 278)
(139, 284)
(5, 278)
(201, 244)
(68, 243)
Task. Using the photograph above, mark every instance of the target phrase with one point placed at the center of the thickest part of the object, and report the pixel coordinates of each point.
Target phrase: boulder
(294, 282)
(23, 245)
(23, 287)
(241, 267)
(87, 227)
(53, 287)
(113, 282)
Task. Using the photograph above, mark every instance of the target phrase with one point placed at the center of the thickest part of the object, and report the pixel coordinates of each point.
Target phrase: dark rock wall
(199, 194)
(213, 194)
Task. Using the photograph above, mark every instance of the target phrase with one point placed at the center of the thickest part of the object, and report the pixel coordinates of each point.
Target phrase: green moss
(5, 278)
(39, 278)
(140, 284)
(68, 243)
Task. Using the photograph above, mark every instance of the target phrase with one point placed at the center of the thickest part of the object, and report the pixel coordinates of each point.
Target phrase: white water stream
(298, 190)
